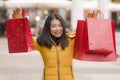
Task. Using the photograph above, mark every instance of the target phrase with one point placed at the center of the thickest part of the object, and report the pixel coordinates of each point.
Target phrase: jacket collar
(53, 42)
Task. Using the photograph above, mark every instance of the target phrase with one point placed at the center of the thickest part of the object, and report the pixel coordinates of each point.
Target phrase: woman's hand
(17, 13)
(92, 13)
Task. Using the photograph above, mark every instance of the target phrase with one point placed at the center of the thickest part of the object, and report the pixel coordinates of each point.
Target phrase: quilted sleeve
(35, 43)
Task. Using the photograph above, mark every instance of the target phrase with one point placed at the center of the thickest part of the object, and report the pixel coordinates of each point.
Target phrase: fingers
(92, 13)
(95, 11)
(17, 13)
(17, 10)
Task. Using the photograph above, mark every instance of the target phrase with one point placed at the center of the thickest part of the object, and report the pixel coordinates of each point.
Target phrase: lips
(57, 33)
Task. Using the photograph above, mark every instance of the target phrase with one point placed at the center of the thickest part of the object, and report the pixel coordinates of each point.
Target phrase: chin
(58, 36)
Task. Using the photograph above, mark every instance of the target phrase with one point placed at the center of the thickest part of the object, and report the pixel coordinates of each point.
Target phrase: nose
(58, 27)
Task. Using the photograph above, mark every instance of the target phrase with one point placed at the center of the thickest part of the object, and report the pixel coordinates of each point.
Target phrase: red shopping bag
(19, 35)
(95, 40)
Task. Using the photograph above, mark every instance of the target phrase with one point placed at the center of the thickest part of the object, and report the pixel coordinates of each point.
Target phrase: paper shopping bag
(100, 39)
(95, 40)
(19, 35)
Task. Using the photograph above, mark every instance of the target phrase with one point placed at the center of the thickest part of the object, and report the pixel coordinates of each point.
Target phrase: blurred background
(29, 66)
(70, 10)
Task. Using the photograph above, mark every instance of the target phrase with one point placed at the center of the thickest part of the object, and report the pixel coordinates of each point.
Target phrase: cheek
(51, 30)
(61, 28)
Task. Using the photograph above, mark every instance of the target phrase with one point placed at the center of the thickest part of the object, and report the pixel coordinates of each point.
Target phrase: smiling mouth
(57, 33)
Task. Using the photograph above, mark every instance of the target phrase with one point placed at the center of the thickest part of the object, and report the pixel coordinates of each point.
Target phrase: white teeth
(57, 32)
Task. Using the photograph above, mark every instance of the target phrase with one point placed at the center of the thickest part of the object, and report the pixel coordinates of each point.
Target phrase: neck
(55, 39)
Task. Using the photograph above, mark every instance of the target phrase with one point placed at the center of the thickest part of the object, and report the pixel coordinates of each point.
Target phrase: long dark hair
(45, 38)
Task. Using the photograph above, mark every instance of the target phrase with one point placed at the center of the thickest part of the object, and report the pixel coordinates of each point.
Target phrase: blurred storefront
(2, 20)
(116, 15)
(36, 11)
(110, 9)
(71, 10)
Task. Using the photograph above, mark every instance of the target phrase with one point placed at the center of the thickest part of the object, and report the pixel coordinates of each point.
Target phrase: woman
(56, 49)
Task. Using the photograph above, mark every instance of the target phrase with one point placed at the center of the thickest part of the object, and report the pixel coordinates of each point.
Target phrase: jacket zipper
(72, 71)
(58, 62)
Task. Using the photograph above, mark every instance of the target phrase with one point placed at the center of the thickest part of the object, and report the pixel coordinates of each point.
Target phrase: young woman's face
(56, 28)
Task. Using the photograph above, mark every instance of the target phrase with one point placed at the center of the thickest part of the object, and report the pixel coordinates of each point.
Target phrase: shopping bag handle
(99, 12)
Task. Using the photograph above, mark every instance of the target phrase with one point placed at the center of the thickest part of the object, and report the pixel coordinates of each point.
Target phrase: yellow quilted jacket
(57, 62)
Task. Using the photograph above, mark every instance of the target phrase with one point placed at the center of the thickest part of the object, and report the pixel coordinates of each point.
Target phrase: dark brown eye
(53, 26)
